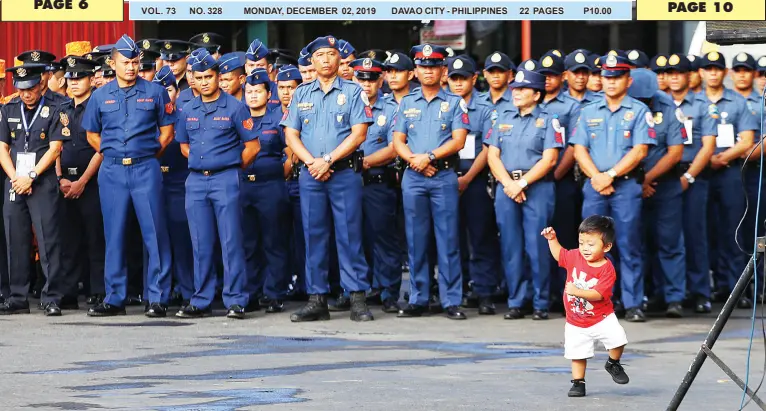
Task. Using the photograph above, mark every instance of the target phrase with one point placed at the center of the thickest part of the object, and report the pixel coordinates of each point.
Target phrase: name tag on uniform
(468, 152)
(688, 127)
(725, 137)
(25, 163)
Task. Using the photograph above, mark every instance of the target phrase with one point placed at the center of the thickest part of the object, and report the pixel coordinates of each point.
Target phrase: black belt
(449, 163)
(128, 161)
(637, 173)
(208, 173)
(387, 176)
(516, 175)
(71, 171)
(262, 177)
(353, 161)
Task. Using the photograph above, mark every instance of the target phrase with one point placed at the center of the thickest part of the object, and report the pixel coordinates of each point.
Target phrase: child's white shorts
(579, 343)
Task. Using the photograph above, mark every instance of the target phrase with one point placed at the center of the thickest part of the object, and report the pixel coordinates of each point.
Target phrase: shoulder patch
(649, 119)
(463, 106)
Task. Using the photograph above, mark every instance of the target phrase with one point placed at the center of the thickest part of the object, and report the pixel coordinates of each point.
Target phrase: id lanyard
(32, 123)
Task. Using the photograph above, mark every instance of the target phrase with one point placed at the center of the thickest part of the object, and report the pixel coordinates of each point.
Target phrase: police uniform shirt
(273, 100)
(183, 85)
(429, 125)
(215, 132)
(608, 135)
(667, 128)
(325, 120)
(268, 162)
(588, 97)
(380, 133)
(184, 97)
(41, 132)
(564, 111)
(480, 117)
(128, 118)
(753, 104)
(55, 98)
(522, 139)
(77, 152)
(694, 109)
(731, 109)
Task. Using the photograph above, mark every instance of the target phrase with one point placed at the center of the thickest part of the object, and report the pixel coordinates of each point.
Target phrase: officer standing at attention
(48, 59)
(326, 123)
(524, 147)
(257, 56)
(695, 78)
(736, 126)
(209, 41)
(83, 245)
(611, 139)
(173, 54)
(232, 71)
(664, 252)
(347, 55)
(264, 200)
(185, 96)
(430, 128)
(594, 81)
(399, 74)
(213, 187)
(699, 146)
(379, 201)
(307, 70)
(478, 228)
(147, 67)
(577, 74)
(28, 151)
(659, 65)
(175, 170)
(122, 121)
(498, 70)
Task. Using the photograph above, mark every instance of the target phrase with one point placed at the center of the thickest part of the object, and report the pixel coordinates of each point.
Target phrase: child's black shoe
(615, 369)
(578, 388)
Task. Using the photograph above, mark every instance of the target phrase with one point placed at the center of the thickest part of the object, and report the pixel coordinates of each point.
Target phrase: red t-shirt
(580, 312)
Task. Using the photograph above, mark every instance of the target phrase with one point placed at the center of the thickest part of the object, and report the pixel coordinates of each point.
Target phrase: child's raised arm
(553, 243)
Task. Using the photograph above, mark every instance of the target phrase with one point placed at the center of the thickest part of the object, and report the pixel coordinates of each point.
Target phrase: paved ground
(265, 362)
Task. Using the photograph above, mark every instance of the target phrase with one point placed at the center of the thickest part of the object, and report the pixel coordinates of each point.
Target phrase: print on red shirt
(581, 312)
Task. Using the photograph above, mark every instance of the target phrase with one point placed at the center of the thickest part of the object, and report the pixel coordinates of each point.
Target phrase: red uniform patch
(558, 138)
(683, 133)
(284, 116)
(489, 134)
(169, 108)
(465, 118)
(652, 133)
(248, 124)
(368, 112)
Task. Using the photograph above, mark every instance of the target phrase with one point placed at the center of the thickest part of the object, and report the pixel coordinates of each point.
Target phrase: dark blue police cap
(304, 59)
(174, 50)
(529, 65)
(577, 60)
(289, 72)
(326, 42)
(38, 57)
(210, 41)
(761, 64)
(205, 61)
(345, 48)
(127, 47)
(375, 54)
(429, 55)
(399, 61)
(165, 77)
(78, 67)
(614, 65)
(679, 63)
(229, 62)
(550, 63)
(148, 60)
(27, 75)
(743, 60)
(644, 84)
(528, 79)
(499, 60)
(659, 64)
(712, 59)
(694, 61)
(259, 76)
(367, 69)
(461, 65)
(638, 59)
(594, 60)
(257, 51)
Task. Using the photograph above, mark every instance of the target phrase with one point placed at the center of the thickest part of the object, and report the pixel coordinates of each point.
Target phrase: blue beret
(712, 59)
(499, 60)
(345, 48)
(205, 61)
(638, 59)
(259, 76)
(462, 65)
(127, 47)
(680, 63)
(399, 61)
(429, 55)
(229, 62)
(550, 63)
(289, 72)
(326, 42)
(577, 60)
(743, 60)
(528, 79)
(257, 51)
(165, 77)
(644, 84)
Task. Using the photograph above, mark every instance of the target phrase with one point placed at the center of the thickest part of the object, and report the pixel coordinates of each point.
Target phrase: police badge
(341, 99)
(46, 111)
(65, 132)
(381, 120)
(444, 107)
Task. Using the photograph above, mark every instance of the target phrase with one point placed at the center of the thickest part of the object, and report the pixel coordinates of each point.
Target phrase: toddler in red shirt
(588, 300)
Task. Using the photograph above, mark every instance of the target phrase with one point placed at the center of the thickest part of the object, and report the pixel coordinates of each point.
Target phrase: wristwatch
(523, 183)
(431, 156)
(689, 178)
(327, 158)
(611, 173)
(33, 175)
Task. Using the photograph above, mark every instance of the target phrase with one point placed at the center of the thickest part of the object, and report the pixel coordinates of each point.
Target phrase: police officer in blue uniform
(82, 235)
(664, 252)
(216, 135)
(498, 70)
(699, 145)
(232, 71)
(637, 58)
(430, 128)
(175, 170)
(147, 67)
(173, 53)
(400, 71)
(347, 55)
(736, 126)
(29, 148)
(209, 41)
(326, 123)
(578, 72)
(307, 70)
(594, 81)
(49, 60)
(659, 65)
(524, 147)
(257, 57)
(380, 195)
(760, 79)
(185, 96)
(611, 139)
(122, 121)
(478, 228)
(265, 206)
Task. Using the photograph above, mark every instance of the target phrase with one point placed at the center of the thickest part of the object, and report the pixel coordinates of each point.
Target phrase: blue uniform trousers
(381, 245)
(139, 185)
(624, 206)
(566, 221)
(664, 252)
(434, 201)
(520, 226)
(341, 197)
(478, 232)
(180, 239)
(297, 240)
(726, 205)
(265, 214)
(214, 201)
(695, 212)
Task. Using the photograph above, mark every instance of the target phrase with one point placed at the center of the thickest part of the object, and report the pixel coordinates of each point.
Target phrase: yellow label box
(745, 10)
(62, 10)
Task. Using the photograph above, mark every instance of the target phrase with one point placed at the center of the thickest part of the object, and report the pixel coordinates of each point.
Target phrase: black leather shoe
(390, 306)
(252, 306)
(578, 389)
(702, 306)
(275, 306)
(675, 310)
(359, 309)
(191, 311)
(342, 303)
(314, 310)
(52, 310)
(486, 307)
(106, 310)
(156, 310)
(10, 308)
(635, 315)
(412, 310)
(236, 312)
(454, 313)
(513, 314)
(95, 299)
(745, 303)
(540, 315)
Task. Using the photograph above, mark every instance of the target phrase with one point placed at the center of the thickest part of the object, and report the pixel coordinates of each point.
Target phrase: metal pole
(715, 332)
(526, 40)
